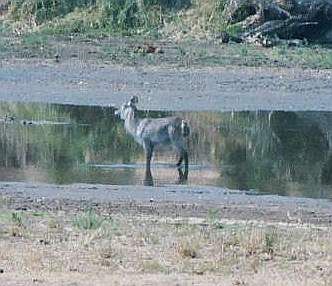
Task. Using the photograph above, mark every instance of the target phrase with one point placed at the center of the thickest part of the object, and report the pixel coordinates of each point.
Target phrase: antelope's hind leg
(183, 176)
(148, 148)
(183, 156)
(180, 146)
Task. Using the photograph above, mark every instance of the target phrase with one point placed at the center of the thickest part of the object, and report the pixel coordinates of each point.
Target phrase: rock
(57, 58)
(223, 37)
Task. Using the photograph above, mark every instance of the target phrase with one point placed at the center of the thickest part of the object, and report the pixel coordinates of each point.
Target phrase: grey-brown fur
(150, 132)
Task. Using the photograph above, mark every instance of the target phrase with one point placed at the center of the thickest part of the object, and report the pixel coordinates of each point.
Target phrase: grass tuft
(271, 238)
(89, 220)
(17, 219)
(187, 249)
(17, 224)
(213, 218)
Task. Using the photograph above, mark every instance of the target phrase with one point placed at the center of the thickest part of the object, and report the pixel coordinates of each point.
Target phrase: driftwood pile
(268, 22)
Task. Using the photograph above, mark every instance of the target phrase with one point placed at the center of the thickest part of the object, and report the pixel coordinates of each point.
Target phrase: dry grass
(186, 249)
(201, 21)
(242, 253)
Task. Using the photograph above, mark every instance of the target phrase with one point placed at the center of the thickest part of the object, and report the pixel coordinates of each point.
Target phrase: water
(286, 153)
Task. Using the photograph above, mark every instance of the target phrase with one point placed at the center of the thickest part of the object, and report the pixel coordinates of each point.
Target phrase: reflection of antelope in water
(150, 132)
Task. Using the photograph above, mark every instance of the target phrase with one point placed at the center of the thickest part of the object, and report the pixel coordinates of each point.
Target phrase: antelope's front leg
(186, 164)
(148, 179)
(148, 148)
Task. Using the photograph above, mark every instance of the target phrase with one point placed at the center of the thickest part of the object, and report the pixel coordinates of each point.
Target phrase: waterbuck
(151, 132)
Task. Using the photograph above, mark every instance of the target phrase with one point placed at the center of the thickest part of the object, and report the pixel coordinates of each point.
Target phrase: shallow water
(286, 153)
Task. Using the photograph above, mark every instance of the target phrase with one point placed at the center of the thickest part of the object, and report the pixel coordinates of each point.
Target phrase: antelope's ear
(133, 100)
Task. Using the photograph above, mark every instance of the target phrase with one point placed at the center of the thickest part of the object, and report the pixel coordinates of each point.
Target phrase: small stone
(223, 37)
(44, 242)
(57, 58)
(159, 50)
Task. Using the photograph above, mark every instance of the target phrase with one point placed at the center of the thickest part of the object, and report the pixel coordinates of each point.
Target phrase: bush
(44, 10)
(168, 4)
(89, 220)
(119, 14)
(116, 16)
(82, 15)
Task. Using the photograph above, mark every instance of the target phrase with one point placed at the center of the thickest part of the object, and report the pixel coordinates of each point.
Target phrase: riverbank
(214, 89)
(127, 235)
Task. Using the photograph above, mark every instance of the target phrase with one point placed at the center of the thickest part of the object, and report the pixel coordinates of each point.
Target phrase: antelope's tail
(185, 129)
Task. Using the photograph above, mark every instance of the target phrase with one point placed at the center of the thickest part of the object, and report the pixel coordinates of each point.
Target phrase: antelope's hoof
(181, 181)
(148, 182)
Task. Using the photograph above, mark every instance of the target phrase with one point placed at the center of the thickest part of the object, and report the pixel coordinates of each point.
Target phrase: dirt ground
(169, 201)
(214, 89)
(111, 235)
(173, 235)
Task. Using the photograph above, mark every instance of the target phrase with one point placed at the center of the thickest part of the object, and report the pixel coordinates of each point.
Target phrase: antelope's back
(159, 130)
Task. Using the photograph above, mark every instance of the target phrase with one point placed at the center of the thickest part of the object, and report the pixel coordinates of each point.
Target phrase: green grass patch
(271, 240)
(125, 17)
(18, 218)
(5, 216)
(4, 37)
(311, 56)
(39, 214)
(42, 24)
(40, 11)
(35, 40)
(84, 16)
(89, 220)
(213, 219)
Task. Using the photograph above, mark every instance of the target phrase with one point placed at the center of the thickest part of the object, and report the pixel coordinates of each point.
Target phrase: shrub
(44, 10)
(129, 16)
(89, 220)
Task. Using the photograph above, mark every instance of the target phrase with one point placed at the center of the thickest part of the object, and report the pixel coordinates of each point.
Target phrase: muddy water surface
(287, 153)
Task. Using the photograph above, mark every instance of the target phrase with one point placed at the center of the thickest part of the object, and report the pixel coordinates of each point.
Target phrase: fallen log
(284, 19)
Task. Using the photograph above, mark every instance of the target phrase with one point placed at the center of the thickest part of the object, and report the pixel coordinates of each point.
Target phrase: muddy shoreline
(222, 89)
(210, 89)
(168, 201)
(172, 234)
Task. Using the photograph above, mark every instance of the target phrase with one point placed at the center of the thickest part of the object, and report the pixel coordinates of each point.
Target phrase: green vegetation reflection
(287, 153)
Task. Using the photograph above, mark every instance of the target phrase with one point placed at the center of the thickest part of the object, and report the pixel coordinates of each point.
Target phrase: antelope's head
(128, 109)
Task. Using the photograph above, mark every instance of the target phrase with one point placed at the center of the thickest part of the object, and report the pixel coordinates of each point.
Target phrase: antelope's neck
(131, 124)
